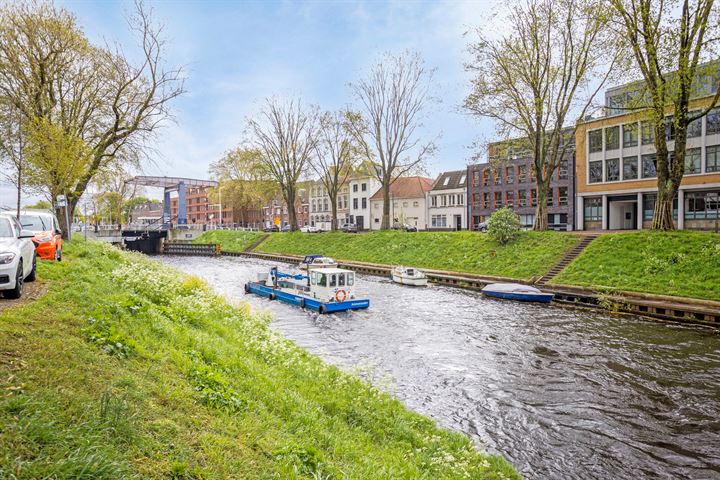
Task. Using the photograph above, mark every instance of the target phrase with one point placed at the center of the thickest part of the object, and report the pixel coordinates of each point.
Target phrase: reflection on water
(560, 393)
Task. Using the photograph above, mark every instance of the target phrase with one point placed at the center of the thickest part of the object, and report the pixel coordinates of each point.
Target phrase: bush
(503, 225)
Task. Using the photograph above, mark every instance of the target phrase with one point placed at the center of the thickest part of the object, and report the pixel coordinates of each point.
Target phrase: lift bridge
(149, 238)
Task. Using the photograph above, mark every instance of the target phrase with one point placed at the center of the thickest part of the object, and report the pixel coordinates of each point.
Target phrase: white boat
(409, 276)
(517, 291)
(312, 262)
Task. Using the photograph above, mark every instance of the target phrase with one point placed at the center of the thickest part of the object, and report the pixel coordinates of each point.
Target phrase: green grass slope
(670, 263)
(532, 254)
(128, 369)
(230, 240)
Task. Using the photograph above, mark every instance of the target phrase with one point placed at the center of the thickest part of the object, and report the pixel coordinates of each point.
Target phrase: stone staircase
(567, 259)
(257, 242)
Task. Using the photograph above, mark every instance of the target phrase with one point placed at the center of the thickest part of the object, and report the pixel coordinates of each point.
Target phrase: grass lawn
(532, 254)
(128, 369)
(230, 240)
(670, 263)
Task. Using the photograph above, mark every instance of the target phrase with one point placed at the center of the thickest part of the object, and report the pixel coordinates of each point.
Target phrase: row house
(360, 189)
(616, 166)
(508, 180)
(275, 212)
(446, 202)
(408, 203)
(321, 207)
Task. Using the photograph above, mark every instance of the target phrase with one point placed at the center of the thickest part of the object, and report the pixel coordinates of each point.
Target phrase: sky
(235, 54)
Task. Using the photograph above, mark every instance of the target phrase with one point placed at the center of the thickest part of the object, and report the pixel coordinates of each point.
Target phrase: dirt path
(31, 292)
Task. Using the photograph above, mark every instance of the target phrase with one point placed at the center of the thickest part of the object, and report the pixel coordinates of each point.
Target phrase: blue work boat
(324, 290)
(517, 291)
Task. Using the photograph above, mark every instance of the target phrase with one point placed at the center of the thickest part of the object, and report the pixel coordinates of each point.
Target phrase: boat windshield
(320, 279)
(333, 280)
(350, 279)
(341, 280)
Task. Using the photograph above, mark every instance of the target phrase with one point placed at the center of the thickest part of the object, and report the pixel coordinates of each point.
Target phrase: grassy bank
(670, 263)
(531, 255)
(127, 369)
(231, 240)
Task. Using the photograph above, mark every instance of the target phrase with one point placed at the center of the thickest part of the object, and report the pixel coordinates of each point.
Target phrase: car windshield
(34, 222)
(5, 228)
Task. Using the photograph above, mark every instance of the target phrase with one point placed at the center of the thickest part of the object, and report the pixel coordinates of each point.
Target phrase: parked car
(349, 228)
(286, 228)
(271, 228)
(17, 256)
(404, 227)
(47, 234)
(310, 229)
(482, 226)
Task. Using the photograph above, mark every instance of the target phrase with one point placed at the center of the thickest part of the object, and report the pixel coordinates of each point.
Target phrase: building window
(612, 169)
(522, 198)
(563, 196)
(452, 200)
(498, 178)
(438, 221)
(355, 203)
(527, 220)
(563, 170)
(630, 168)
(551, 197)
(486, 200)
(712, 158)
(630, 135)
(612, 138)
(712, 122)
(355, 188)
(433, 200)
(364, 187)
(648, 133)
(510, 199)
(595, 141)
(498, 200)
(596, 171)
(692, 160)
(475, 178)
(592, 209)
(510, 175)
(460, 199)
(522, 173)
(649, 164)
(670, 128)
(443, 200)
(405, 204)
(533, 198)
(486, 177)
(702, 205)
(364, 203)
(416, 204)
(695, 127)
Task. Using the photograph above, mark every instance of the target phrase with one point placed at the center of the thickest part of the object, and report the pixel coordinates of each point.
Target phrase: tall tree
(50, 73)
(12, 146)
(336, 156)
(285, 133)
(669, 52)
(393, 99)
(243, 182)
(535, 79)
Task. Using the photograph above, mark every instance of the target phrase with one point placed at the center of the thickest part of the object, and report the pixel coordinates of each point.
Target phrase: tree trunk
(663, 214)
(333, 212)
(541, 211)
(19, 189)
(385, 225)
(290, 202)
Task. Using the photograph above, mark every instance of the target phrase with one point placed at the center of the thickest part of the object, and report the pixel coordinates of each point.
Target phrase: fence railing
(183, 248)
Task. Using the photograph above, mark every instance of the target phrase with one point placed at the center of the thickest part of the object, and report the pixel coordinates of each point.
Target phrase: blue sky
(237, 53)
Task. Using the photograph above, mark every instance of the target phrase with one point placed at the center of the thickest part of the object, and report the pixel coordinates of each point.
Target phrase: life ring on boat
(272, 296)
(337, 295)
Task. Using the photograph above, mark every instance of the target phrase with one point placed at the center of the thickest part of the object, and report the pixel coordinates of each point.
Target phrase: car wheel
(58, 254)
(17, 291)
(33, 273)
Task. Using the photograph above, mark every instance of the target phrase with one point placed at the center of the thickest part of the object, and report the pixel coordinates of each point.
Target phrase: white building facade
(447, 202)
(360, 190)
(408, 203)
(321, 208)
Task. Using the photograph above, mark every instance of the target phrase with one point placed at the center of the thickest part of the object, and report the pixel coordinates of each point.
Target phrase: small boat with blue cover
(517, 291)
(325, 290)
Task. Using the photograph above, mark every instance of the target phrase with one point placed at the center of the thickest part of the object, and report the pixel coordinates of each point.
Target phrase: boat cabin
(332, 284)
(316, 261)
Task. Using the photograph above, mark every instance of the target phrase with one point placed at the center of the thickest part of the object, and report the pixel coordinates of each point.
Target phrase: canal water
(562, 394)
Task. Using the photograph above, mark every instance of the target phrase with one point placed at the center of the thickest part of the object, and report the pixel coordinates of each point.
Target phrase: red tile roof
(406, 187)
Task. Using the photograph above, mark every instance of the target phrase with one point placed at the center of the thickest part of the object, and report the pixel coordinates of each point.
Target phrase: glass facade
(692, 161)
(630, 135)
(630, 168)
(702, 205)
(612, 169)
(592, 209)
(596, 172)
(612, 138)
(649, 166)
(595, 141)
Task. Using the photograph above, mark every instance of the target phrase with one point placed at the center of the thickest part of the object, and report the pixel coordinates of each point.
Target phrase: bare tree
(393, 99)
(12, 144)
(534, 78)
(50, 72)
(669, 53)
(336, 156)
(286, 135)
